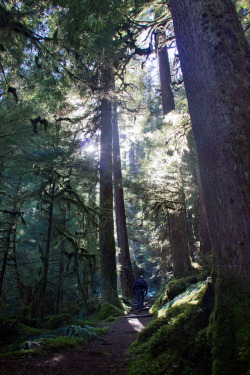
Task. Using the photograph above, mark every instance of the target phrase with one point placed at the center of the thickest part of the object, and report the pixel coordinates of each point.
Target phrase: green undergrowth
(176, 342)
(43, 346)
(229, 329)
(23, 339)
(175, 287)
(57, 332)
(61, 343)
(57, 321)
(108, 312)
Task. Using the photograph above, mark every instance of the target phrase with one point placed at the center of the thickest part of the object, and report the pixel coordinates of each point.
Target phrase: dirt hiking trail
(101, 356)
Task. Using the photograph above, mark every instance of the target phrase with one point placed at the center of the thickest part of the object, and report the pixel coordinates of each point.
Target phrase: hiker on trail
(140, 289)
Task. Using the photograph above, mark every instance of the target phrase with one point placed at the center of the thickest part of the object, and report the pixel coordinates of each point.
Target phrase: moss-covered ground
(197, 331)
(176, 342)
(57, 332)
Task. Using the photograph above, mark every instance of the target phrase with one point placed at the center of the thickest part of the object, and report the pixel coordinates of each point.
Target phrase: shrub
(57, 321)
(108, 310)
(76, 331)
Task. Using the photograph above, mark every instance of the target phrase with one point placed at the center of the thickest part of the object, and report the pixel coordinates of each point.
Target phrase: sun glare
(90, 148)
(136, 324)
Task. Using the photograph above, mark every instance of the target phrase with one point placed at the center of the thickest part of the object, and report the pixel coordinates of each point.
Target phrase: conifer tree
(126, 272)
(216, 75)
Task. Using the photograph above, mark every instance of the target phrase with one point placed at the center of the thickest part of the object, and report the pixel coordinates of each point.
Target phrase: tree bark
(60, 271)
(167, 96)
(126, 273)
(18, 279)
(205, 237)
(214, 57)
(80, 287)
(179, 242)
(107, 250)
(46, 255)
(59, 281)
(5, 258)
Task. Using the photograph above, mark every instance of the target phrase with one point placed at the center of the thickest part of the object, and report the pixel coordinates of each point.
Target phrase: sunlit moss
(176, 343)
(191, 296)
(174, 288)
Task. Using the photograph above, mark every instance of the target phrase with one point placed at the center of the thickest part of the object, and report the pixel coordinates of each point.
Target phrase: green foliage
(177, 286)
(175, 344)
(174, 288)
(44, 345)
(231, 347)
(76, 331)
(101, 331)
(57, 321)
(18, 333)
(26, 332)
(61, 343)
(152, 327)
(29, 339)
(24, 317)
(110, 319)
(107, 310)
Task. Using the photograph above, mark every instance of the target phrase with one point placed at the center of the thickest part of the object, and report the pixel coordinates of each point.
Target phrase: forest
(124, 151)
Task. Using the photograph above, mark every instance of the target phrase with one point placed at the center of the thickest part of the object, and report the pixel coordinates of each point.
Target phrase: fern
(76, 331)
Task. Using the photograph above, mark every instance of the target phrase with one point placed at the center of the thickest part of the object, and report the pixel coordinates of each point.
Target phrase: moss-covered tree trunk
(126, 273)
(214, 58)
(106, 232)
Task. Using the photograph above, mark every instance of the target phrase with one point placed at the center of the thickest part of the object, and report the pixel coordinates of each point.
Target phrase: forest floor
(100, 356)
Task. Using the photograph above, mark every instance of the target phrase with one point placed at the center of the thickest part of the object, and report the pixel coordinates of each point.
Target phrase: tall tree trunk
(18, 279)
(14, 243)
(126, 273)
(106, 232)
(167, 96)
(80, 287)
(60, 271)
(205, 238)
(46, 255)
(214, 57)
(5, 258)
(179, 242)
(179, 235)
(59, 281)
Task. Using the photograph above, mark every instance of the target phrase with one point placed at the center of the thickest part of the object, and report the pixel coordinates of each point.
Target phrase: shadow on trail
(100, 356)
